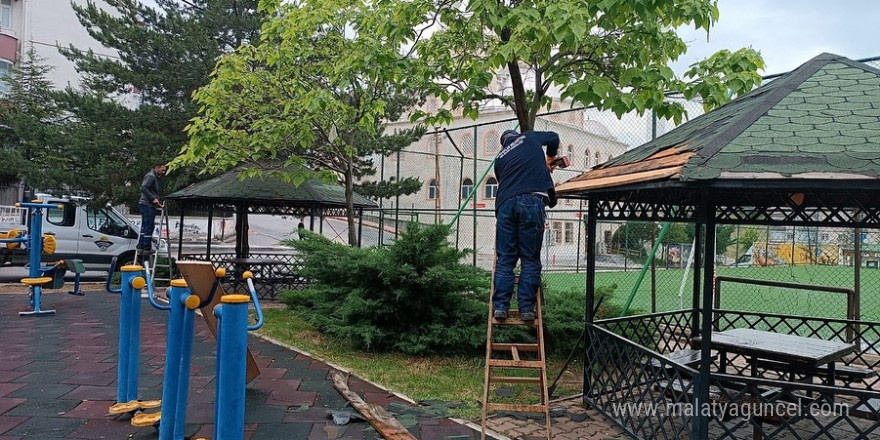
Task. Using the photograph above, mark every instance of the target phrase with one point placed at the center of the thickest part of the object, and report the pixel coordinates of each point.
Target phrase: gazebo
(801, 150)
(267, 195)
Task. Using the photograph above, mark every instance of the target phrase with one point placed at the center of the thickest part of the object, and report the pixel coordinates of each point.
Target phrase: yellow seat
(36, 281)
(134, 405)
(142, 420)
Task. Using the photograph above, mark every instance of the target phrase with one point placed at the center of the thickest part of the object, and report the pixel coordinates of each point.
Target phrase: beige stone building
(454, 160)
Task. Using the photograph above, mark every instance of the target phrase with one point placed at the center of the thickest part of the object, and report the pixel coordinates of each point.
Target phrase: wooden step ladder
(162, 255)
(535, 366)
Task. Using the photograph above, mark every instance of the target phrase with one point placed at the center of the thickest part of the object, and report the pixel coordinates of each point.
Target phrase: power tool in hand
(561, 162)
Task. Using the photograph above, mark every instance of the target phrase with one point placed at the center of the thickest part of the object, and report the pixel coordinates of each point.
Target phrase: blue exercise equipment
(33, 241)
(232, 328)
(129, 340)
(182, 305)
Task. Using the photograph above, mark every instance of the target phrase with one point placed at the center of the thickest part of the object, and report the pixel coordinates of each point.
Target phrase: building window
(597, 158)
(433, 190)
(491, 188)
(466, 143)
(5, 69)
(492, 142)
(587, 159)
(557, 232)
(6, 13)
(569, 232)
(466, 187)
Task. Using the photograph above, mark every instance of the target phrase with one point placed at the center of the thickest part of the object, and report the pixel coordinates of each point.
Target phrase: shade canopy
(268, 195)
(803, 149)
(264, 195)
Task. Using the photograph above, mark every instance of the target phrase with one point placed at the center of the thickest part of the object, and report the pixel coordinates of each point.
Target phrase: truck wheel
(127, 258)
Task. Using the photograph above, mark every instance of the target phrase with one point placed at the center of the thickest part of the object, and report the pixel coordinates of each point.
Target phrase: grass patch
(420, 378)
(740, 296)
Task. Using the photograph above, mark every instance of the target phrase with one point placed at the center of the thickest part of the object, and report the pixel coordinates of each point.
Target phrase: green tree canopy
(131, 107)
(314, 93)
(30, 121)
(613, 54)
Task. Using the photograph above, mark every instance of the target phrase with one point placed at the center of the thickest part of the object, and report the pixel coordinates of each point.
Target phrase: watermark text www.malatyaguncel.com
(777, 409)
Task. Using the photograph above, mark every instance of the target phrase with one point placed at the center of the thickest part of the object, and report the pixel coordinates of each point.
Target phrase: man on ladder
(524, 188)
(148, 204)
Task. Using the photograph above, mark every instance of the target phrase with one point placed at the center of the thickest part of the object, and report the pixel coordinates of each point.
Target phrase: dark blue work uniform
(524, 187)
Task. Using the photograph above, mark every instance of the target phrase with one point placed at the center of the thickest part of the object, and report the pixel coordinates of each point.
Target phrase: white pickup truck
(92, 234)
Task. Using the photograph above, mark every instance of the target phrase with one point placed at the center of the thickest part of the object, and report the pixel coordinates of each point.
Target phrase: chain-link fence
(648, 265)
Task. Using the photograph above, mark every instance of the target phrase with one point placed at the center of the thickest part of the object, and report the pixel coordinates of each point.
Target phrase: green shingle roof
(267, 191)
(820, 121)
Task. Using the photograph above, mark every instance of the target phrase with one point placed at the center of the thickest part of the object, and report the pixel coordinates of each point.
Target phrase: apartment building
(44, 25)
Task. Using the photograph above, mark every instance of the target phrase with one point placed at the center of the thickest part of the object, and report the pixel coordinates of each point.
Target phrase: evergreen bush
(414, 296)
(564, 316)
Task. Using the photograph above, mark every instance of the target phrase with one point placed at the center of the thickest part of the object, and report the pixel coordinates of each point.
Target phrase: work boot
(528, 316)
(500, 314)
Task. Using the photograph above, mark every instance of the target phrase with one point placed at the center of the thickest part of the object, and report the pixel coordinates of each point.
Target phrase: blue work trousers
(148, 224)
(519, 232)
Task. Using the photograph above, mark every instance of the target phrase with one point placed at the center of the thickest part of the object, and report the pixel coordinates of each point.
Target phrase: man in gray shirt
(147, 204)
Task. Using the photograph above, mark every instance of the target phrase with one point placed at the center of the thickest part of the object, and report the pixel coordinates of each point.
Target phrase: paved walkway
(58, 378)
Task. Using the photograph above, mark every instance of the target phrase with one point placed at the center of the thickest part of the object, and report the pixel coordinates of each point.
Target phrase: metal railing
(629, 380)
(850, 295)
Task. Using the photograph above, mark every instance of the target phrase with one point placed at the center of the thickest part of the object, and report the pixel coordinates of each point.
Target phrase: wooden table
(798, 352)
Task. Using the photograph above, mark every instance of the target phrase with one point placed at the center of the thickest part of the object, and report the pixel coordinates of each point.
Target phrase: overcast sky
(789, 32)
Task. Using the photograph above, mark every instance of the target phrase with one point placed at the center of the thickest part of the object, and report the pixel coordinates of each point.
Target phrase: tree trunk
(521, 108)
(384, 423)
(349, 204)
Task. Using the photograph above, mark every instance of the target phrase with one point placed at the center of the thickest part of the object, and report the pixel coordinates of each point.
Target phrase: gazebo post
(706, 216)
(590, 287)
(242, 248)
(360, 225)
(210, 230)
(180, 233)
(697, 287)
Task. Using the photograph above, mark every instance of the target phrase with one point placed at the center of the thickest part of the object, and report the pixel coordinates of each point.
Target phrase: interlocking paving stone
(91, 378)
(8, 403)
(46, 427)
(265, 414)
(11, 365)
(90, 409)
(9, 422)
(275, 431)
(103, 429)
(8, 376)
(43, 408)
(289, 400)
(90, 367)
(42, 390)
(6, 388)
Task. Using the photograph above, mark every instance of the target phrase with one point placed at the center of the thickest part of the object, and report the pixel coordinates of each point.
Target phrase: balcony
(8, 45)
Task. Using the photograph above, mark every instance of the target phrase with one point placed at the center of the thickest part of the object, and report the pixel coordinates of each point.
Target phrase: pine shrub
(414, 296)
(564, 316)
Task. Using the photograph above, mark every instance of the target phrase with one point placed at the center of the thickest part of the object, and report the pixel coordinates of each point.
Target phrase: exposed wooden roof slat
(617, 180)
(663, 159)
